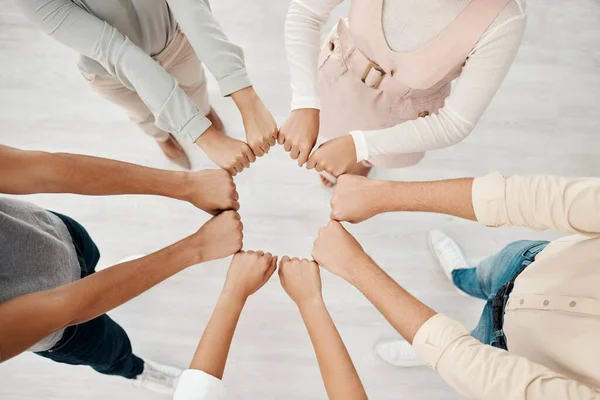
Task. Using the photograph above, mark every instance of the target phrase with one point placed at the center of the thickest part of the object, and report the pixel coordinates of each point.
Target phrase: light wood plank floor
(544, 120)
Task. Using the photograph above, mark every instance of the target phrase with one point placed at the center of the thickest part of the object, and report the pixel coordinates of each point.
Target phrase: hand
(211, 190)
(337, 251)
(301, 279)
(248, 272)
(334, 156)
(230, 154)
(299, 132)
(220, 237)
(356, 198)
(261, 128)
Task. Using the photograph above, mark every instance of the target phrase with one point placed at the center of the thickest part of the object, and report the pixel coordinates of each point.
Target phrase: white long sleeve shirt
(119, 38)
(408, 26)
(198, 385)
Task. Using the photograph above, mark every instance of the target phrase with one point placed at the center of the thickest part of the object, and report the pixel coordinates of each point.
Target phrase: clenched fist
(230, 154)
(301, 280)
(248, 272)
(261, 128)
(337, 251)
(299, 132)
(211, 190)
(335, 156)
(220, 237)
(356, 198)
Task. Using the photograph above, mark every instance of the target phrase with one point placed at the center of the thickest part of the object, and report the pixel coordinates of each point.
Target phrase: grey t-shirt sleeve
(74, 27)
(224, 59)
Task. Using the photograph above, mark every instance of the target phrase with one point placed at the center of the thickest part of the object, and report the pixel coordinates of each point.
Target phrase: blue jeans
(100, 343)
(489, 276)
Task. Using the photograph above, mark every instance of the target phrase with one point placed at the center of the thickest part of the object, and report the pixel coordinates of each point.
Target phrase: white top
(198, 385)
(119, 37)
(408, 26)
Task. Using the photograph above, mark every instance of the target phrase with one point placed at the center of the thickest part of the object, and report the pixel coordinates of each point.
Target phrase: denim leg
(484, 330)
(490, 275)
(101, 344)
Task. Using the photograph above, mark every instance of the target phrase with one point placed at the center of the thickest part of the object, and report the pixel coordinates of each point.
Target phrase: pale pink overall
(365, 85)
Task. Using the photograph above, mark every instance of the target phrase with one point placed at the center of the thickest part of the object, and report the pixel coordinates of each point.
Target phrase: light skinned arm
(467, 365)
(538, 202)
(29, 172)
(248, 272)
(73, 26)
(29, 318)
(301, 280)
(357, 198)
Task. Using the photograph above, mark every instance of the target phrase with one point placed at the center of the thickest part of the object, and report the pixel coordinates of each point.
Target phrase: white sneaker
(448, 255)
(398, 353)
(158, 378)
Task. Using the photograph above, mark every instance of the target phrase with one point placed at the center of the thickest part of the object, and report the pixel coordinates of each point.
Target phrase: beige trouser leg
(179, 60)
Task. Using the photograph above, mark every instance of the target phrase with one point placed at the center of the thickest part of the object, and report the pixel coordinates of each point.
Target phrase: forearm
(339, 375)
(29, 318)
(28, 172)
(452, 197)
(213, 349)
(402, 310)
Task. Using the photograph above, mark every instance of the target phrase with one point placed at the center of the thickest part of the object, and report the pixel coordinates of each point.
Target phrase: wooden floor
(546, 119)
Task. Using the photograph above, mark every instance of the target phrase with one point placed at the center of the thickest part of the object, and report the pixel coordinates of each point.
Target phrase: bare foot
(216, 121)
(175, 152)
(357, 169)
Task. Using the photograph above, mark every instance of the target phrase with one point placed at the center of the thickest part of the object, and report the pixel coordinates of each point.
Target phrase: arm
(28, 172)
(338, 372)
(28, 319)
(466, 364)
(302, 281)
(481, 77)
(304, 22)
(74, 27)
(224, 59)
(248, 272)
(539, 202)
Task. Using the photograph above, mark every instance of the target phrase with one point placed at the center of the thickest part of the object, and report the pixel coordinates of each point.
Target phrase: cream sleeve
(484, 372)
(538, 202)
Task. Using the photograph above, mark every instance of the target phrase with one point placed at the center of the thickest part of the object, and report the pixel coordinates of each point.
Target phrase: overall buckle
(373, 66)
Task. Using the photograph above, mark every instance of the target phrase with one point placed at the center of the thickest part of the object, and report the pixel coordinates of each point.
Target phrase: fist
(299, 132)
(335, 156)
(212, 191)
(220, 237)
(261, 128)
(230, 154)
(248, 272)
(301, 279)
(337, 251)
(356, 198)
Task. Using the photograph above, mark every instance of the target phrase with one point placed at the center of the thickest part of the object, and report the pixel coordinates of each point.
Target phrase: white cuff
(198, 385)
(360, 144)
(306, 102)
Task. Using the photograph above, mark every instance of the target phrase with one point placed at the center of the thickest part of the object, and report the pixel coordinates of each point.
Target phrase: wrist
(310, 304)
(232, 298)
(360, 270)
(245, 99)
(388, 196)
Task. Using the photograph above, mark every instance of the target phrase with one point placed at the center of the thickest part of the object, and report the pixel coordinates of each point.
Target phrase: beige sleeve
(484, 372)
(539, 202)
